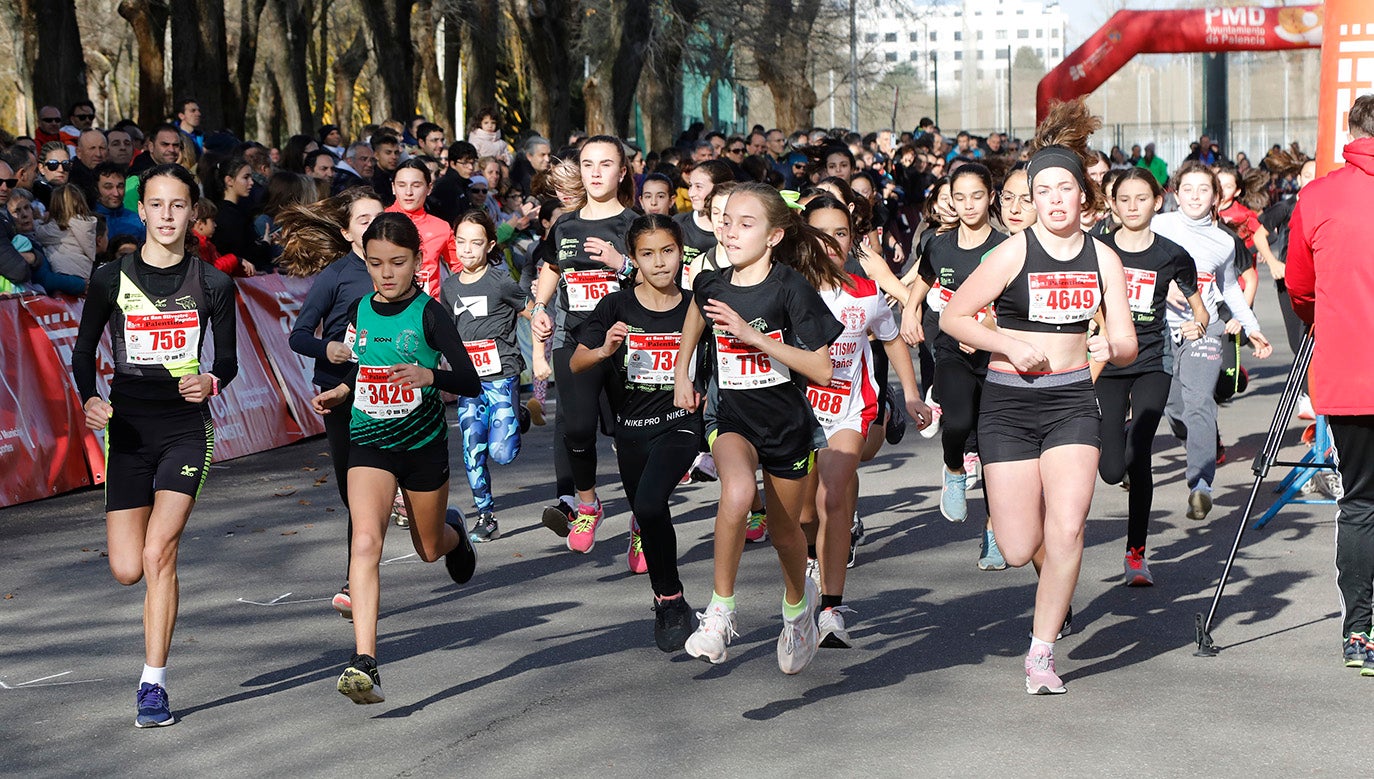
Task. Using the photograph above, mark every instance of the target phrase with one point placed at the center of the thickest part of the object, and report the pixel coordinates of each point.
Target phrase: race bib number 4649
(1063, 297)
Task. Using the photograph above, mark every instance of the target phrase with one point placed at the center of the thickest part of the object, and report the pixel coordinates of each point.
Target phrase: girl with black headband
(1038, 422)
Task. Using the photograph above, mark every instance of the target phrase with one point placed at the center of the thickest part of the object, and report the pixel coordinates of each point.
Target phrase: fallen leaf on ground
(283, 493)
(288, 532)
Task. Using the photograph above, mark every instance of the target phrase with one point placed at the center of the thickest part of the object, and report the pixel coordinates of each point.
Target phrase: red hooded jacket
(1330, 278)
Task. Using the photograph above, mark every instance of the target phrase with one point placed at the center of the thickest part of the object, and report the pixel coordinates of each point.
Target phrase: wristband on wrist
(538, 306)
(214, 384)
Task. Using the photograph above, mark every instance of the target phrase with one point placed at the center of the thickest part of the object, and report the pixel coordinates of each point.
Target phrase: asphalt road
(545, 665)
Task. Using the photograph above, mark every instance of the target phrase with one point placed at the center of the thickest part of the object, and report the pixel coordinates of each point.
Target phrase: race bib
(586, 288)
(1140, 290)
(1062, 297)
(378, 398)
(739, 366)
(828, 402)
(1207, 287)
(484, 357)
(351, 341)
(650, 358)
(938, 297)
(163, 338)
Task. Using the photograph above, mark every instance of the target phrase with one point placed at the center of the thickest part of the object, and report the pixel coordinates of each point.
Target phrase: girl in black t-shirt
(697, 233)
(767, 322)
(1151, 262)
(587, 263)
(637, 333)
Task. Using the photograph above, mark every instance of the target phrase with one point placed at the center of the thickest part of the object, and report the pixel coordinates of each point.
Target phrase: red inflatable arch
(1128, 33)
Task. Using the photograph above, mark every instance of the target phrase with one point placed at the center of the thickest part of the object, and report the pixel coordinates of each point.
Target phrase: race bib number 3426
(377, 397)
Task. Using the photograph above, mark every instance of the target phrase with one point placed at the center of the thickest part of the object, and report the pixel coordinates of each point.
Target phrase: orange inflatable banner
(1128, 33)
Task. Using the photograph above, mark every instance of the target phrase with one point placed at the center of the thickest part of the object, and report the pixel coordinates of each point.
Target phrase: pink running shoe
(1040, 676)
(635, 557)
(756, 527)
(584, 525)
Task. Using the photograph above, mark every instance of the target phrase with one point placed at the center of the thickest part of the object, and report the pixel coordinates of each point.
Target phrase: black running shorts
(156, 447)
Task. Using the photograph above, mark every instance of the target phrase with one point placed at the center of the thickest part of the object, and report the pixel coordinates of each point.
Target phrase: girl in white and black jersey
(847, 409)
(1038, 425)
(770, 333)
(588, 263)
(1151, 264)
(638, 332)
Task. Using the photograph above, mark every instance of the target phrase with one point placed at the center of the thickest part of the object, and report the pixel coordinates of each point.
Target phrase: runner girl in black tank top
(1038, 425)
(1151, 263)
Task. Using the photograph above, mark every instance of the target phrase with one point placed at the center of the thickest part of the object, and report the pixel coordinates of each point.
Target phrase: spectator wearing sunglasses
(80, 118)
(733, 155)
(49, 125)
(54, 170)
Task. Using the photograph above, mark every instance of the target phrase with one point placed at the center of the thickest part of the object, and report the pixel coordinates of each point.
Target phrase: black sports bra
(1049, 295)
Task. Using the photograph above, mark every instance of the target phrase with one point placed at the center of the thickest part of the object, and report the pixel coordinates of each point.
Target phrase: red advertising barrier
(251, 414)
(271, 303)
(41, 453)
(59, 317)
(1347, 73)
(1128, 33)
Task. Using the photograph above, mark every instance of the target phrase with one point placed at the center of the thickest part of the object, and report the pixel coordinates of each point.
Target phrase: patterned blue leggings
(490, 427)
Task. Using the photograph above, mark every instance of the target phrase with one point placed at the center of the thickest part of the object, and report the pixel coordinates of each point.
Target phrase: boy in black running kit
(158, 304)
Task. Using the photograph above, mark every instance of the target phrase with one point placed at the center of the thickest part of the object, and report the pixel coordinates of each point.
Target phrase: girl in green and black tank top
(397, 430)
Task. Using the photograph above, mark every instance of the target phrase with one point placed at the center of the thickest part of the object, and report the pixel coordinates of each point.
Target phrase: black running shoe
(896, 420)
(672, 623)
(523, 414)
(558, 518)
(360, 680)
(461, 561)
(485, 528)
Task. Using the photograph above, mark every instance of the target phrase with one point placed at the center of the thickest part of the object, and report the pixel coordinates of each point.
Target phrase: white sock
(1035, 642)
(153, 675)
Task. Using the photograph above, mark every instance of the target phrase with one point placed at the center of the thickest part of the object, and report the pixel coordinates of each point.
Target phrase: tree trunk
(200, 64)
(452, 44)
(347, 67)
(660, 94)
(425, 33)
(268, 112)
(22, 25)
(318, 55)
(246, 58)
(149, 24)
(388, 30)
(787, 27)
(479, 56)
(546, 30)
(609, 94)
(287, 36)
(59, 73)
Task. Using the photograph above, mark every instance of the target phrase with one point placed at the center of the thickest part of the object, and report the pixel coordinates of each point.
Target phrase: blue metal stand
(1311, 463)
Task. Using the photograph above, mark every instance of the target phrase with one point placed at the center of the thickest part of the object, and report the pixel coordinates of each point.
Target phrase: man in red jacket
(1331, 283)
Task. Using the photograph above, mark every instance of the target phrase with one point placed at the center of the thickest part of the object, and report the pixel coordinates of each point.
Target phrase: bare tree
(250, 15)
(387, 23)
(481, 39)
(148, 20)
(619, 40)
(545, 30)
(200, 62)
(345, 71)
(287, 37)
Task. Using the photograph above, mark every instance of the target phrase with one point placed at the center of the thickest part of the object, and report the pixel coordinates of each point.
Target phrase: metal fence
(1173, 140)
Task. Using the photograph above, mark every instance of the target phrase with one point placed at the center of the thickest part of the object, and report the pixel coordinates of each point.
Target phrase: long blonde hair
(68, 202)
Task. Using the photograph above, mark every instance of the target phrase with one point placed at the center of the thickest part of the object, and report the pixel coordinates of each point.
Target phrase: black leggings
(960, 391)
(650, 469)
(1293, 327)
(575, 427)
(1128, 451)
(336, 433)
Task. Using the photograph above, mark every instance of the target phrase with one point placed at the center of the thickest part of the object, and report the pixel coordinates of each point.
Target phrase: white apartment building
(957, 36)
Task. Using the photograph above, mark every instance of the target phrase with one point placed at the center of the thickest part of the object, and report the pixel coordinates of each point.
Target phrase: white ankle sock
(1035, 642)
(153, 675)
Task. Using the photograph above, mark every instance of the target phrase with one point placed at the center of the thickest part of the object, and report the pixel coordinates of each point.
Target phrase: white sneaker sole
(702, 654)
(1044, 689)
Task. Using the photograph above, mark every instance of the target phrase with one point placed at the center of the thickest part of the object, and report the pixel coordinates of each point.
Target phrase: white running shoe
(830, 622)
(972, 467)
(813, 572)
(800, 637)
(933, 429)
(714, 631)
